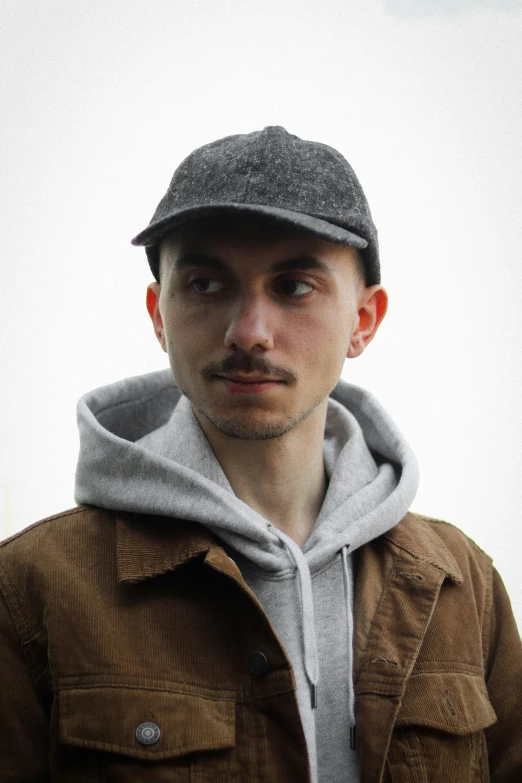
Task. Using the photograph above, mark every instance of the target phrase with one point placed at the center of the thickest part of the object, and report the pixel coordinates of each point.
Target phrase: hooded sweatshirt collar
(142, 450)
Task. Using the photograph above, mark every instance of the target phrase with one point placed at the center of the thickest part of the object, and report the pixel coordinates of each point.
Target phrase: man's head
(257, 321)
(258, 305)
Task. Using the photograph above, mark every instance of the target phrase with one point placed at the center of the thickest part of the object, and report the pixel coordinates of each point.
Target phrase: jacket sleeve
(24, 733)
(504, 683)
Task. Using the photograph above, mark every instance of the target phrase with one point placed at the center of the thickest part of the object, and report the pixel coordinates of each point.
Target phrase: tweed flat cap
(273, 173)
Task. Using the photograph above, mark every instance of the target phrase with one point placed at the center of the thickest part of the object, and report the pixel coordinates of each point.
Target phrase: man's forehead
(215, 239)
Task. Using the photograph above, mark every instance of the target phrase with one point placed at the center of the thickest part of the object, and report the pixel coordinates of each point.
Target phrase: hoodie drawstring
(311, 658)
(348, 602)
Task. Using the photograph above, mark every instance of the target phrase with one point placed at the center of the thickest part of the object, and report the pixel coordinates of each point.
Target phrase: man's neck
(283, 479)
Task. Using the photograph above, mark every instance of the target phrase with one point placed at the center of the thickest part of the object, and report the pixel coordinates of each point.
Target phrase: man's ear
(373, 303)
(153, 295)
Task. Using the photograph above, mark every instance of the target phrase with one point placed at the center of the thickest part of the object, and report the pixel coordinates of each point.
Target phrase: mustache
(242, 362)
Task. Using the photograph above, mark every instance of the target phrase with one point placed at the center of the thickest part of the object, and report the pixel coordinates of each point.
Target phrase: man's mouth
(249, 378)
(248, 384)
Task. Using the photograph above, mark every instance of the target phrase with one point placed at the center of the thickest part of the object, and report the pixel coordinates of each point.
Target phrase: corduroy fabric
(109, 619)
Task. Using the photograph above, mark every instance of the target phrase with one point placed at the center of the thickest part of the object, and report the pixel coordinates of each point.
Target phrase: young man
(242, 594)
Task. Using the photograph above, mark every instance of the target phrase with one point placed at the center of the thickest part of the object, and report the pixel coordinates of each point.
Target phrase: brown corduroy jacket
(112, 621)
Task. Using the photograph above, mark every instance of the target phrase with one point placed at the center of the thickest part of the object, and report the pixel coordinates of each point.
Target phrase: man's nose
(250, 324)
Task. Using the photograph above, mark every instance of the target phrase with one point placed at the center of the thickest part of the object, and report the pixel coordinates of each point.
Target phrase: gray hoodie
(142, 450)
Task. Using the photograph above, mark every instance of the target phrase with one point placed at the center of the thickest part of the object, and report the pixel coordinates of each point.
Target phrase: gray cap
(304, 184)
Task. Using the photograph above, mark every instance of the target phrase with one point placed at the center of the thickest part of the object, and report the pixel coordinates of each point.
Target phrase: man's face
(257, 324)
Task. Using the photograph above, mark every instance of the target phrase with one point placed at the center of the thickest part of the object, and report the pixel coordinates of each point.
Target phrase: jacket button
(147, 733)
(258, 663)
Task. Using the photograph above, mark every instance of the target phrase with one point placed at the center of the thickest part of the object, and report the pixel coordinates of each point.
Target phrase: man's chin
(247, 428)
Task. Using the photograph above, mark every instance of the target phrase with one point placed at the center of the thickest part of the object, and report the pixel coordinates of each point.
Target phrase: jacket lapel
(149, 545)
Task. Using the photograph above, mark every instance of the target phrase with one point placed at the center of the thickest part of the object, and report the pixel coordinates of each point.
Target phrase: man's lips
(249, 379)
(248, 384)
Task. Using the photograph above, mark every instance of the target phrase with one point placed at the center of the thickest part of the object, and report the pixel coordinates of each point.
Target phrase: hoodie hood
(142, 450)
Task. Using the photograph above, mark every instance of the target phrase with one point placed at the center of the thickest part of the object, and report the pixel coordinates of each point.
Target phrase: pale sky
(100, 101)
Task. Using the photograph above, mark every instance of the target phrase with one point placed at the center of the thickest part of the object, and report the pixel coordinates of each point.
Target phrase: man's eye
(206, 285)
(294, 287)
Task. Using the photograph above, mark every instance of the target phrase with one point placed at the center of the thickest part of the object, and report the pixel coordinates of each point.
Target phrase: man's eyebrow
(300, 262)
(195, 259)
(198, 259)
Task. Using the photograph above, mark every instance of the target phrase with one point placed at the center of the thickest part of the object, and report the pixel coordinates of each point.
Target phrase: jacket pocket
(439, 730)
(132, 734)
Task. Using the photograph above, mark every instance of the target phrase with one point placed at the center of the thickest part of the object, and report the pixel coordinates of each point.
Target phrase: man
(242, 594)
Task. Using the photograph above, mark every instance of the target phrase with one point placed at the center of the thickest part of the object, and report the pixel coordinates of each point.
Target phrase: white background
(100, 102)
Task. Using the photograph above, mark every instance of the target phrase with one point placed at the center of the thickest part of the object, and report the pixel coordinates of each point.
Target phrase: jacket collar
(417, 536)
(149, 545)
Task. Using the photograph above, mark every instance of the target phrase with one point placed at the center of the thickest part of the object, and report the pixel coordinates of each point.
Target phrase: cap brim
(320, 228)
